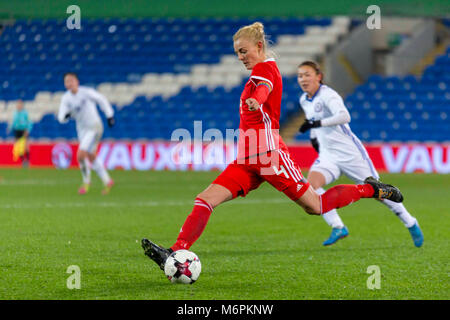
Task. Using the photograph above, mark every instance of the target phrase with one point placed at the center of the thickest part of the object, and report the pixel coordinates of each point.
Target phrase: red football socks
(194, 225)
(336, 197)
(342, 195)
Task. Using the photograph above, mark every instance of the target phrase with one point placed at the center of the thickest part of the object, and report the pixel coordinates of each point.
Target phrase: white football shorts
(89, 140)
(357, 170)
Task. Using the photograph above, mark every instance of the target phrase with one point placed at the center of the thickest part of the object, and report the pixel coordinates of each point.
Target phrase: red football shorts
(275, 167)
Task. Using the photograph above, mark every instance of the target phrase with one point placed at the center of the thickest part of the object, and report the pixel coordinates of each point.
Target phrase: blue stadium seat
(403, 108)
(37, 52)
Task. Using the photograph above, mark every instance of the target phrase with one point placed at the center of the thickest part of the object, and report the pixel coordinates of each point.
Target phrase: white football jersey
(82, 108)
(335, 141)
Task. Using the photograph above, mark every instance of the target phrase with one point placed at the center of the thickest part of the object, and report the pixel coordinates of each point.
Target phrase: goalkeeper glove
(315, 144)
(111, 122)
(308, 124)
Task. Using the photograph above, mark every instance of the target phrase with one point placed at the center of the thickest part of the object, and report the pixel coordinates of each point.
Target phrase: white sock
(401, 212)
(85, 171)
(99, 168)
(331, 217)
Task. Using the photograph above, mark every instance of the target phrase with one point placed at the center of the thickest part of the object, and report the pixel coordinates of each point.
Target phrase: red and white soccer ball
(183, 266)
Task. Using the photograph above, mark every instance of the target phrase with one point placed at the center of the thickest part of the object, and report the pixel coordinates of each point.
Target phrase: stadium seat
(162, 74)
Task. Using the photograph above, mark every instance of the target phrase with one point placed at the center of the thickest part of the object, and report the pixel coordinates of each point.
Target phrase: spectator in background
(21, 126)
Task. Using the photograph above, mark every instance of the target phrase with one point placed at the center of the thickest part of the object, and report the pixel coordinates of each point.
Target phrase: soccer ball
(183, 266)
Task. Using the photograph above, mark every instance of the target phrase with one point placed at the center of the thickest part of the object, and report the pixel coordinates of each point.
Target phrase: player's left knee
(312, 211)
(81, 155)
(91, 157)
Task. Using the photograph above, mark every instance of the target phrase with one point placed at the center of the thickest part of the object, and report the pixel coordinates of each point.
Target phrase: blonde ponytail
(253, 32)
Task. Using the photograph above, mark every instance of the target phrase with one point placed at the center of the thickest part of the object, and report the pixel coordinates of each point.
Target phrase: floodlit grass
(260, 247)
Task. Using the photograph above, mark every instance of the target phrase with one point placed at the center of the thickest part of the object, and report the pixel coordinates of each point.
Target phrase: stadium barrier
(405, 158)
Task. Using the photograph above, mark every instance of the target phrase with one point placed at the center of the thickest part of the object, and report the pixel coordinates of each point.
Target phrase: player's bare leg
(194, 225)
(215, 194)
(339, 230)
(310, 201)
(82, 157)
(100, 169)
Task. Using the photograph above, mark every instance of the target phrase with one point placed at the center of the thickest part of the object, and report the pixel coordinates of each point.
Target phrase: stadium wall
(395, 158)
(412, 51)
(214, 8)
(350, 62)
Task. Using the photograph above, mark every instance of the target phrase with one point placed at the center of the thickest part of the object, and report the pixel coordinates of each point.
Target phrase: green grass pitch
(260, 247)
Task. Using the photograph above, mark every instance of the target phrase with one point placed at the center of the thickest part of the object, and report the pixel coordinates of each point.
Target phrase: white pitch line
(130, 205)
(33, 182)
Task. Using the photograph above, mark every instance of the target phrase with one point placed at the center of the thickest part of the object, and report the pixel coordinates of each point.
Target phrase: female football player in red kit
(262, 154)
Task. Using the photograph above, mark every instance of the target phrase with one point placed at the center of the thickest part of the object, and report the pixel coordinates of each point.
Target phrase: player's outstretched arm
(339, 113)
(309, 124)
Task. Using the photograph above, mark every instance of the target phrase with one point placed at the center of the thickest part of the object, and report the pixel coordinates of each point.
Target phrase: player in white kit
(340, 151)
(79, 103)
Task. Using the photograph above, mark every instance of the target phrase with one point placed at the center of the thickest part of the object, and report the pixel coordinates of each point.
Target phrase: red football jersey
(259, 130)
